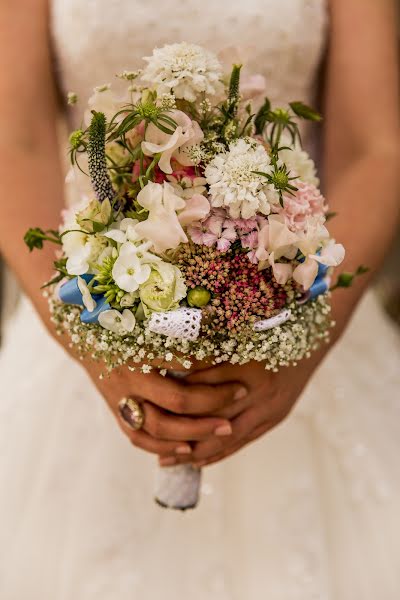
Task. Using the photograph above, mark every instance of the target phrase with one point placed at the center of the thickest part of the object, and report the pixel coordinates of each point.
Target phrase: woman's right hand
(170, 407)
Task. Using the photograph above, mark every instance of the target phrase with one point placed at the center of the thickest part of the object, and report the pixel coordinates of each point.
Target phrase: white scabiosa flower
(120, 323)
(186, 70)
(300, 164)
(234, 183)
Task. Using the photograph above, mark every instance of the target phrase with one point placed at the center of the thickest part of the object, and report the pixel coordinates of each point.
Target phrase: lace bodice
(281, 39)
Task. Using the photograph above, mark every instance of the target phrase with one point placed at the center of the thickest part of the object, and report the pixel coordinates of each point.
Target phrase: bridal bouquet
(200, 233)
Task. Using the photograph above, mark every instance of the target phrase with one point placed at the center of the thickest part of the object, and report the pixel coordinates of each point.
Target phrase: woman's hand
(270, 398)
(169, 405)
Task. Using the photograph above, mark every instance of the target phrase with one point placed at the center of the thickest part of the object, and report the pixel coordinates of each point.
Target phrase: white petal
(128, 320)
(87, 299)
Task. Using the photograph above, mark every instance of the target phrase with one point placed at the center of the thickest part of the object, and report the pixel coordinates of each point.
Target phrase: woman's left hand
(270, 398)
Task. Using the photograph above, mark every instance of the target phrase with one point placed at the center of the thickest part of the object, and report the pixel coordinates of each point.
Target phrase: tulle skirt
(309, 511)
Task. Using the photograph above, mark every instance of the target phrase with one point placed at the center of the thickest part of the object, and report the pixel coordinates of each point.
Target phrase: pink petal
(306, 272)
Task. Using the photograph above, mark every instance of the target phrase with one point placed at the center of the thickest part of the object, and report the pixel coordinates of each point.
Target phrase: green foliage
(278, 120)
(280, 177)
(261, 118)
(103, 282)
(305, 112)
(346, 280)
(60, 267)
(35, 237)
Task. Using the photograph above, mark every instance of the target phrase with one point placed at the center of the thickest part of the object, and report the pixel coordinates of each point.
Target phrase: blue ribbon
(70, 293)
(320, 285)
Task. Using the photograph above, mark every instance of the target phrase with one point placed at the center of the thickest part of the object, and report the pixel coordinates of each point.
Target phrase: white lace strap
(273, 321)
(183, 323)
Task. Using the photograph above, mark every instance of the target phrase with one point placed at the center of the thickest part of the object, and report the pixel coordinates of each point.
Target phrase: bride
(310, 511)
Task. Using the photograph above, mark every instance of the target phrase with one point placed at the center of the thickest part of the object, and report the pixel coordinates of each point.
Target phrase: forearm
(34, 198)
(30, 170)
(366, 198)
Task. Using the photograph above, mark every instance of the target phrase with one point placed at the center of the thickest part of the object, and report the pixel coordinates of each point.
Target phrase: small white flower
(117, 322)
(87, 299)
(128, 270)
(187, 70)
(234, 183)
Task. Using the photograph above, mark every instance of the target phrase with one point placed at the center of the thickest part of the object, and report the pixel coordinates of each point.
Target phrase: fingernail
(167, 462)
(223, 430)
(183, 450)
(241, 393)
(200, 464)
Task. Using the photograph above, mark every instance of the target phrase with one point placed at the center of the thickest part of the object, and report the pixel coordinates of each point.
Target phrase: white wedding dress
(309, 512)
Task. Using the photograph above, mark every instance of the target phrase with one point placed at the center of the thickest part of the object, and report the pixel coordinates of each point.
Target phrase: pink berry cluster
(240, 293)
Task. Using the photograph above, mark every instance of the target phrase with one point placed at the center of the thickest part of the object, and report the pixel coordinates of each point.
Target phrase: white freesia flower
(120, 323)
(234, 183)
(187, 70)
(162, 226)
(87, 299)
(129, 271)
(175, 145)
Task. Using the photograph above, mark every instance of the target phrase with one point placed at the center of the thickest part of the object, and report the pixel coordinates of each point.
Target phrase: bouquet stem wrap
(178, 487)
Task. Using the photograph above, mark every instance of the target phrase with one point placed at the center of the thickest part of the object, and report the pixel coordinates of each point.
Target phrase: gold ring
(132, 413)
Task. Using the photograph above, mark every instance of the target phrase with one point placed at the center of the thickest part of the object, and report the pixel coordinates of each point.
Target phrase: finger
(184, 399)
(242, 427)
(143, 440)
(258, 432)
(233, 410)
(166, 426)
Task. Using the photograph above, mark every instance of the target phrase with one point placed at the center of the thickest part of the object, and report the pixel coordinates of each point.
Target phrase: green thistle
(97, 158)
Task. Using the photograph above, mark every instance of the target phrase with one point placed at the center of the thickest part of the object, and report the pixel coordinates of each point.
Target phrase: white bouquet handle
(178, 487)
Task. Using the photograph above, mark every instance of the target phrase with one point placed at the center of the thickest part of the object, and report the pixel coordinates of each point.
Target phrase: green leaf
(262, 117)
(330, 215)
(305, 112)
(345, 280)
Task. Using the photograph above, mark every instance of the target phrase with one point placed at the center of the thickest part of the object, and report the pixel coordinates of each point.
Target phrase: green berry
(198, 297)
